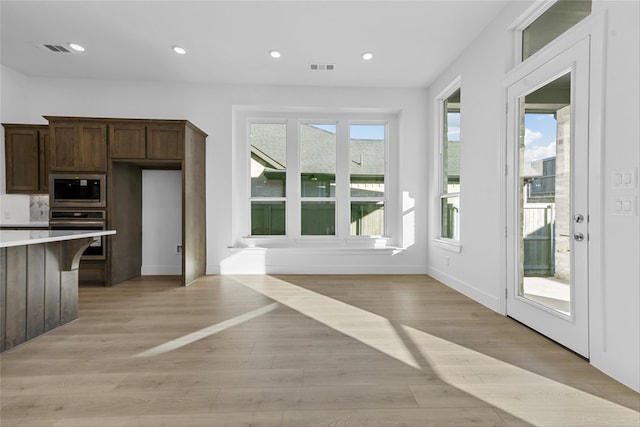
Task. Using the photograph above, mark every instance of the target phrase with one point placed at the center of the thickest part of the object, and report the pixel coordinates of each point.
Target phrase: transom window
(556, 19)
(318, 178)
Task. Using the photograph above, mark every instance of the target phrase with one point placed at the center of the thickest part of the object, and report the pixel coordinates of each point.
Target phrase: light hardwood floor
(300, 351)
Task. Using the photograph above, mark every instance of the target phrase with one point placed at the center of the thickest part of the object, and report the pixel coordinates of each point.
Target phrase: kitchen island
(39, 280)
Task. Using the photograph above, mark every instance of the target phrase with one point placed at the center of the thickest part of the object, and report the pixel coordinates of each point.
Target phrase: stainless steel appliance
(77, 191)
(82, 220)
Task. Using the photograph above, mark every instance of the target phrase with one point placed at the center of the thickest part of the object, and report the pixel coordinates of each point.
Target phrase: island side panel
(35, 290)
(16, 313)
(52, 286)
(68, 296)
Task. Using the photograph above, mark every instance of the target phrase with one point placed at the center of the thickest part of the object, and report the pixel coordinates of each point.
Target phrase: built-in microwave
(77, 190)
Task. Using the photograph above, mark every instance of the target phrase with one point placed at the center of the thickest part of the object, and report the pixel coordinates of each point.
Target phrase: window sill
(314, 247)
(449, 245)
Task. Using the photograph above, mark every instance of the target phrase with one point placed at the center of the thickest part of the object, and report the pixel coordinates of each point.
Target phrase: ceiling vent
(322, 67)
(57, 48)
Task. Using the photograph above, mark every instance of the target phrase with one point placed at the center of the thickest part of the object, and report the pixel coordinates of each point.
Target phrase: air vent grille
(57, 48)
(322, 67)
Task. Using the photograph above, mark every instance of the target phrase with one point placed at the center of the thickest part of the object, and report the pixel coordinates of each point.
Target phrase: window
(450, 166)
(554, 21)
(366, 179)
(318, 178)
(268, 178)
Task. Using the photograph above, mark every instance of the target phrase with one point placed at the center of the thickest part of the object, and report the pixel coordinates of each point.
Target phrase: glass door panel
(545, 195)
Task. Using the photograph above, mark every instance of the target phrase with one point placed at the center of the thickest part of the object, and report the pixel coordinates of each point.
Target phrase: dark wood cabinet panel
(194, 206)
(165, 142)
(93, 147)
(27, 166)
(127, 141)
(45, 153)
(92, 272)
(65, 151)
(78, 147)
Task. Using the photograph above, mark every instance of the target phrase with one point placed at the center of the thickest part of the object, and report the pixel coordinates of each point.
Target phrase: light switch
(617, 179)
(625, 206)
(625, 178)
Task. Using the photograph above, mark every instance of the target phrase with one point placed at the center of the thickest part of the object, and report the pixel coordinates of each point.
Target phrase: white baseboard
(317, 269)
(466, 289)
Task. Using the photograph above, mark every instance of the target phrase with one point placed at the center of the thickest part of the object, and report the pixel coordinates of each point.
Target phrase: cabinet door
(65, 148)
(45, 148)
(93, 147)
(78, 147)
(22, 152)
(165, 142)
(127, 141)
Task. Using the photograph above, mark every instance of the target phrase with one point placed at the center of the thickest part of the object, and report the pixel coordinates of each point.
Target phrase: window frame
(534, 12)
(293, 236)
(441, 111)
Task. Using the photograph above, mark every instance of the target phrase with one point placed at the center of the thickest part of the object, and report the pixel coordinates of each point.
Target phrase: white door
(547, 178)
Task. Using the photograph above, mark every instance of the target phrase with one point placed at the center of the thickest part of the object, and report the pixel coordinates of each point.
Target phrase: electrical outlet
(447, 261)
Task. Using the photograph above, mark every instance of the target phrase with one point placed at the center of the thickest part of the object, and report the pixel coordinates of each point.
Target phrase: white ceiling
(228, 41)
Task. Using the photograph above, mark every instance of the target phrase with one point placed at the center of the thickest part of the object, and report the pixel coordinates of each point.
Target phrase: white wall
(616, 336)
(479, 269)
(13, 108)
(161, 222)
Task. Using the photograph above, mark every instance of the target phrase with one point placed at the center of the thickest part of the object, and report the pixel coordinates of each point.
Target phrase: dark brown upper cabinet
(127, 141)
(165, 141)
(152, 140)
(27, 158)
(77, 145)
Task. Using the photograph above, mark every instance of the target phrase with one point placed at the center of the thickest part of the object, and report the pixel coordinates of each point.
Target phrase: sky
(453, 126)
(539, 136)
(359, 131)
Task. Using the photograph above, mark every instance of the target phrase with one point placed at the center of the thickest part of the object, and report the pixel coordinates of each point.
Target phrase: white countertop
(9, 238)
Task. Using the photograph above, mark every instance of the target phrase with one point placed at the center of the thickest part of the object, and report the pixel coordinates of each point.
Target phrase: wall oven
(82, 220)
(77, 191)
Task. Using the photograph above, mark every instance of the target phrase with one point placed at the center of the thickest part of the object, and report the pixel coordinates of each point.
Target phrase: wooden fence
(538, 222)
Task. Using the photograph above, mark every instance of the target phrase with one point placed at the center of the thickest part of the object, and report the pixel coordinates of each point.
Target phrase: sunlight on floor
(208, 331)
(526, 395)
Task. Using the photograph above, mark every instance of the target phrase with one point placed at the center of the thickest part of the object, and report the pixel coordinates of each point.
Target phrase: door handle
(578, 237)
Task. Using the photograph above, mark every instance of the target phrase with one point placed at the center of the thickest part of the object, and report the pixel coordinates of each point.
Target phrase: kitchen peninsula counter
(39, 280)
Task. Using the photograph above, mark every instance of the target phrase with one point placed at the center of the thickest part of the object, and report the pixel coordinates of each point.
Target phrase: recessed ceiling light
(76, 47)
(179, 50)
(275, 53)
(367, 56)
